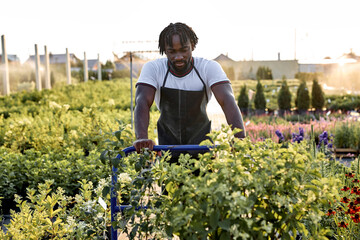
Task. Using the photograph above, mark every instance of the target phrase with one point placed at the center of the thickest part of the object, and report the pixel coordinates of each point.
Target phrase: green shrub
(264, 73)
(347, 135)
(48, 214)
(243, 99)
(259, 100)
(232, 192)
(307, 77)
(317, 96)
(302, 101)
(284, 97)
(343, 103)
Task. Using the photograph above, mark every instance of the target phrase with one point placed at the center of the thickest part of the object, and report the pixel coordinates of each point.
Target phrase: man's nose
(179, 56)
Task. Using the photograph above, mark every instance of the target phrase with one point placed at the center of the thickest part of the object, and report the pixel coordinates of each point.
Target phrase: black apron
(183, 119)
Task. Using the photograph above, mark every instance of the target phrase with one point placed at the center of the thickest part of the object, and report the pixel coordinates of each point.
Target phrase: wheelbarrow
(119, 208)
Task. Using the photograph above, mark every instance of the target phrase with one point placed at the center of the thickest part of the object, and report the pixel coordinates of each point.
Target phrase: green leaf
(103, 156)
(105, 191)
(118, 135)
(225, 224)
(115, 162)
(214, 219)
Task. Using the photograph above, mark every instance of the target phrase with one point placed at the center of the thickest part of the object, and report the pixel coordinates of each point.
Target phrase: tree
(284, 96)
(108, 65)
(259, 101)
(243, 100)
(302, 100)
(317, 96)
(264, 73)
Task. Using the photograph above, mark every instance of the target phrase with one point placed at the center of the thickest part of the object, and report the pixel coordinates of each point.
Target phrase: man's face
(179, 55)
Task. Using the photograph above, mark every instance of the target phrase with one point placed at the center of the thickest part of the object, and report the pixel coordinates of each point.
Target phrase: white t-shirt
(153, 74)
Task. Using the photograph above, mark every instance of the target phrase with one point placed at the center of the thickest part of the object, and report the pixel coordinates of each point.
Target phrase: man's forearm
(142, 118)
(234, 118)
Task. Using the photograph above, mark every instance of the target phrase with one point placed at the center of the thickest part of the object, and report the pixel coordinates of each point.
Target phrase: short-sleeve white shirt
(153, 74)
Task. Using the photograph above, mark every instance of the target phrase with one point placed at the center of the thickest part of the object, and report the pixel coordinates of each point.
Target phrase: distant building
(54, 59)
(348, 63)
(248, 69)
(123, 62)
(12, 59)
(92, 64)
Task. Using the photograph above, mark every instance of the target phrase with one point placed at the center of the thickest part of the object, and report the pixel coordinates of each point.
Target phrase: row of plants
(58, 134)
(54, 129)
(344, 131)
(239, 190)
(289, 95)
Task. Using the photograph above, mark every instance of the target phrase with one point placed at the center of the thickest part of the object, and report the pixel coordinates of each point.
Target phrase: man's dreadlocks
(184, 31)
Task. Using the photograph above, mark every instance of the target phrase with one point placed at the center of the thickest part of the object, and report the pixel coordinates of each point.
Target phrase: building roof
(11, 58)
(54, 58)
(223, 57)
(123, 62)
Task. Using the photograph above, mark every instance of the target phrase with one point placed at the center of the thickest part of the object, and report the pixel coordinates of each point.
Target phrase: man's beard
(183, 68)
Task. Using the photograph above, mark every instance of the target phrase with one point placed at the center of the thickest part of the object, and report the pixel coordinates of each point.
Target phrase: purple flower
(280, 136)
(301, 132)
(324, 139)
(298, 137)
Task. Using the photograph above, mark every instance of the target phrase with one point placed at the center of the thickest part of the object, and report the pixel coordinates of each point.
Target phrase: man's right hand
(143, 143)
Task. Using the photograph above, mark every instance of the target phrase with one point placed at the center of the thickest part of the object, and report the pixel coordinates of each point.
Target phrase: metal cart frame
(118, 208)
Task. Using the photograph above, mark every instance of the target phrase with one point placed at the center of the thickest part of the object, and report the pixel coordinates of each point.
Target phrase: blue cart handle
(177, 148)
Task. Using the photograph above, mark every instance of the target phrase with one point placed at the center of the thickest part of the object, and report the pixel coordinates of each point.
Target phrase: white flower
(66, 107)
(111, 102)
(54, 105)
(124, 177)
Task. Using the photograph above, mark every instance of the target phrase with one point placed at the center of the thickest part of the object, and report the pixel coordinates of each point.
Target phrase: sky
(307, 30)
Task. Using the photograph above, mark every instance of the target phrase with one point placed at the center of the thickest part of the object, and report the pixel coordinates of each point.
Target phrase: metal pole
(68, 67)
(37, 69)
(86, 76)
(47, 69)
(131, 91)
(5, 64)
(99, 68)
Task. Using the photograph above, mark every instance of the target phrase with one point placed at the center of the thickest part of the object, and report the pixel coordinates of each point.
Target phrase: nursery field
(57, 148)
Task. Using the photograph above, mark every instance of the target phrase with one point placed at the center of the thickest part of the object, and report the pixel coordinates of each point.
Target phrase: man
(181, 86)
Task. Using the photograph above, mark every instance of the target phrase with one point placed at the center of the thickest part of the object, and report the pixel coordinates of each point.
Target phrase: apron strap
(197, 72)
(165, 78)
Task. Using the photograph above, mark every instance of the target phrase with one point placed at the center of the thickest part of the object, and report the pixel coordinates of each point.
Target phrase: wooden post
(86, 76)
(99, 68)
(47, 69)
(37, 69)
(68, 68)
(131, 93)
(5, 66)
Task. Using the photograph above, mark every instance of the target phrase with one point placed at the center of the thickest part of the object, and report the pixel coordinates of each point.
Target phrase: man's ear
(192, 46)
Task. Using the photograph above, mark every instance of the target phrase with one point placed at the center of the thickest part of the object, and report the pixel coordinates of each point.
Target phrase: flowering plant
(343, 215)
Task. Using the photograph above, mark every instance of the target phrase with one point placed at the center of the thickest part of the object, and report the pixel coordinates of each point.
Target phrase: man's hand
(143, 143)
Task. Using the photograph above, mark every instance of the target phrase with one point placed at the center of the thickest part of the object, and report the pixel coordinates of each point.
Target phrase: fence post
(5, 66)
(37, 69)
(99, 68)
(47, 69)
(86, 76)
(68, 68)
